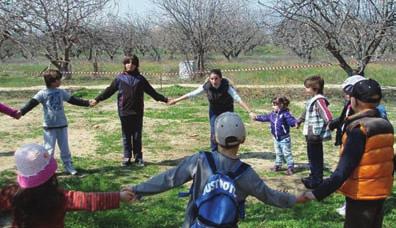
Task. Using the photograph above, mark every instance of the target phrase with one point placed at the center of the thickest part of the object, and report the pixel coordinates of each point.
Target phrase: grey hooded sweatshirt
(196, 168)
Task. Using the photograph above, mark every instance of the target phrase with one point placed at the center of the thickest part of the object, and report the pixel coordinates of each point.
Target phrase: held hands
(127, 195)
(92, 103)
(305, 197)
(252, 116)
(171, 102)
(18, 115)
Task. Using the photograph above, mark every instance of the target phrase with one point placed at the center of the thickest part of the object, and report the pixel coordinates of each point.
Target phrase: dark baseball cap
(368, 91)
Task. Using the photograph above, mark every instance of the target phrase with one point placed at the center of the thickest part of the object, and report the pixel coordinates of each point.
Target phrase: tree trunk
(65, 69)
(201, 64)
(336, 53)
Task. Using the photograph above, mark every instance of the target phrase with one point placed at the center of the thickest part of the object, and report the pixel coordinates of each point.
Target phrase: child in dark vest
(339, 123)
(221, 96)
(229, 134)
(37, 200)
(316, 116)
(364, 173)
(281, 120)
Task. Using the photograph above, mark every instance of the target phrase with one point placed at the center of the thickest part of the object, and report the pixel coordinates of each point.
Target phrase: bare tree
(196, 20)
(240, 28)
(344, 28)
(12, 32)
(298, 37)
(56, 25)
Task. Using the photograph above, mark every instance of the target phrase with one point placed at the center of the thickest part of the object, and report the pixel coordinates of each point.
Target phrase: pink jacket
(7, 110)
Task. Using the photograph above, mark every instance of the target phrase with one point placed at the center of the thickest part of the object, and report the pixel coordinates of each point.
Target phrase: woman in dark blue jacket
(131, 86)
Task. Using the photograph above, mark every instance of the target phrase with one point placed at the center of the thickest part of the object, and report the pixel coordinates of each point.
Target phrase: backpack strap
(211, 161)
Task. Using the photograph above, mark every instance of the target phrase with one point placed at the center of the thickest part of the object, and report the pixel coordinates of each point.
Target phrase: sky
(136, 6)
(144, 6)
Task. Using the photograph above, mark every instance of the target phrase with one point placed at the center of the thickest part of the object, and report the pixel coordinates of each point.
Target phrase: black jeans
(315, 157)
(131, 127)
(364, 213)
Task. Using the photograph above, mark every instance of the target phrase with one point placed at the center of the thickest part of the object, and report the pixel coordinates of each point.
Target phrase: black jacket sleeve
(108, 92)
(29, 106)
(78, 101)
(151, 91)
(349, 160)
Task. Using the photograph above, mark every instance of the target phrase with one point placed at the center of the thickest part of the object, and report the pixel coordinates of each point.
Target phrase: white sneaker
(341, 210)
(70, 169)
(140, 163)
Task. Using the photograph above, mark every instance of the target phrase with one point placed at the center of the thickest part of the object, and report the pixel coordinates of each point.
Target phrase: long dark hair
(32, 205)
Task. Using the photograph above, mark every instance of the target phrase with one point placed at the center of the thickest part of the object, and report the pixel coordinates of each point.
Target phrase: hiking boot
(126, 162)
(290, 171)
(276, 168)
(70, 169)
(139, 162)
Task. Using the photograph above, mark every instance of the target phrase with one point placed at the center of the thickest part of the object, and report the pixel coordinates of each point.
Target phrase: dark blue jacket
(131, 88)
(280, 123)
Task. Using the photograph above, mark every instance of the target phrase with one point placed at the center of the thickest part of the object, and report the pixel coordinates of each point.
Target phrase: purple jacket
(7, 110)
(280, 123)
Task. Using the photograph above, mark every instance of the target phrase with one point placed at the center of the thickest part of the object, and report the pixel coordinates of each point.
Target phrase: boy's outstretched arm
(29, 106)
(253, 185)
(171, 178)
(78, 101)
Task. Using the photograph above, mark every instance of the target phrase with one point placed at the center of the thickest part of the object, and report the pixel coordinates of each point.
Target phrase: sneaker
(139, 162)
(341, 210)
(126, 162)
(70, 169)
(276, 168)
(289, 171)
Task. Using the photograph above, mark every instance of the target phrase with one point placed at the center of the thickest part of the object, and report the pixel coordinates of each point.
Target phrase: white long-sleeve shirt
(200, 90)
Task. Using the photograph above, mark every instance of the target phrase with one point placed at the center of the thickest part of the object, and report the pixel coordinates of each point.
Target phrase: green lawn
(170, 134)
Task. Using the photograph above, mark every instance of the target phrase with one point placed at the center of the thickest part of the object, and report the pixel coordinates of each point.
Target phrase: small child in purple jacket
(281, 120)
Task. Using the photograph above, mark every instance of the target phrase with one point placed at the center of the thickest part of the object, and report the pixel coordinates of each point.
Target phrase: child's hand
(305, 197)
(127, 195)
(171, 102)
(252, 115)
(92, 103)
(18, 115)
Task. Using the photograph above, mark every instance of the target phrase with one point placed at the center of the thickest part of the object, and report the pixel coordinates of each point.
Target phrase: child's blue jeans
(283, 152)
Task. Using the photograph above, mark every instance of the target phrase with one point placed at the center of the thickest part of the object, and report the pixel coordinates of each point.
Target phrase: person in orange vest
(364, 173)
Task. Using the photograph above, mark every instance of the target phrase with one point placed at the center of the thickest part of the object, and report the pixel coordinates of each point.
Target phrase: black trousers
(131, 127)
(364, 213)
(315, 157)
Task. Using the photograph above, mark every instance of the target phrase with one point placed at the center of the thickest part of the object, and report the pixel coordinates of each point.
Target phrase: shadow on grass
(169, 162)
(258, 155)
(6, 153)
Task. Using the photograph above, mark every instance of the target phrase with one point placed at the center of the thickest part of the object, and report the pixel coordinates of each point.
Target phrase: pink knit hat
(34, 165)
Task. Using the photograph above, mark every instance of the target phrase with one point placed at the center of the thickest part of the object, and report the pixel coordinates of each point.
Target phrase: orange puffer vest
(373, 178)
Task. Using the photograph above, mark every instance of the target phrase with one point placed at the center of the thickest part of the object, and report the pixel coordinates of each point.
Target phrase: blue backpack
(218, 205)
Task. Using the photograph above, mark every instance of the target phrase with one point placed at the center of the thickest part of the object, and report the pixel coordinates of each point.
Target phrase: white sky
(135, 6)
(145, 6)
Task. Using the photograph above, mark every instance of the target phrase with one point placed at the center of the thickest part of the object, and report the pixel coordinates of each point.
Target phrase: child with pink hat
(10, 111)
(39, 202)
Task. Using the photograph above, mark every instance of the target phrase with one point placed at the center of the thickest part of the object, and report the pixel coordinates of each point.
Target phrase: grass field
(170, 134)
